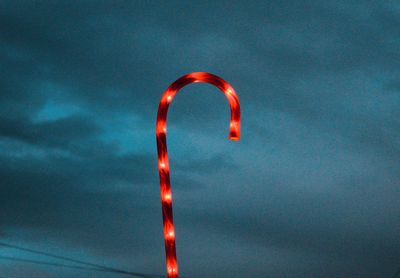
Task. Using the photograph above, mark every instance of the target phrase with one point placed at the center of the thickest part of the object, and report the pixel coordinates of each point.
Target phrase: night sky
(310, 190)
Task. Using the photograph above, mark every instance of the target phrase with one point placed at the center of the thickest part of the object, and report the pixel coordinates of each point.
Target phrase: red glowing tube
(163, 165)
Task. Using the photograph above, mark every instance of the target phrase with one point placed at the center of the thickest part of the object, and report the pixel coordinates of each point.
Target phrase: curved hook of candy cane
(163, 166)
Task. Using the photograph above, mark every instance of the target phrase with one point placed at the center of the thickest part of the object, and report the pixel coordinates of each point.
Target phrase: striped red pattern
(163, 165)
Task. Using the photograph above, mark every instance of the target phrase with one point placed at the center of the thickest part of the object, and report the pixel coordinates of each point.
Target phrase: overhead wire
(91, 266)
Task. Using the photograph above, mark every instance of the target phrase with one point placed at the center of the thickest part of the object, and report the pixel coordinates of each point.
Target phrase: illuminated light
(161, 128)
(170, 234)
(166, 195)
(172, 270)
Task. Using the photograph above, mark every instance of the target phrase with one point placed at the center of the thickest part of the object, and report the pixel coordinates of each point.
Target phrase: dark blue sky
(311, 190)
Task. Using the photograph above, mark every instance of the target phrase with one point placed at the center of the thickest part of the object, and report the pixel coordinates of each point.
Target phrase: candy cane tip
(234, 132)
(234, 129)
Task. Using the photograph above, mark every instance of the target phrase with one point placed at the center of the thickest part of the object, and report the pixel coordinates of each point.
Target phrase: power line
(93, 266)
(52, 264)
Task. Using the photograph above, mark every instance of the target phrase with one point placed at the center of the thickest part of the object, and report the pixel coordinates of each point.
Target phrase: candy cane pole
(163, 166)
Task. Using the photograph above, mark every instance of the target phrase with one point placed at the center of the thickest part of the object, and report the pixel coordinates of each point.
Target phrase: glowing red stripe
(163, 165)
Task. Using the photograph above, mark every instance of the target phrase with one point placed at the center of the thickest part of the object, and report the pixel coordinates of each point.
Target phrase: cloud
(310, 190)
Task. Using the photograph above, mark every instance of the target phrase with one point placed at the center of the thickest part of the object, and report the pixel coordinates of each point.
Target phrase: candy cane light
(163, 166)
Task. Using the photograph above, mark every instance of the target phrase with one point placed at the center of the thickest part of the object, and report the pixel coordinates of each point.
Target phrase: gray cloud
(311, 190)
